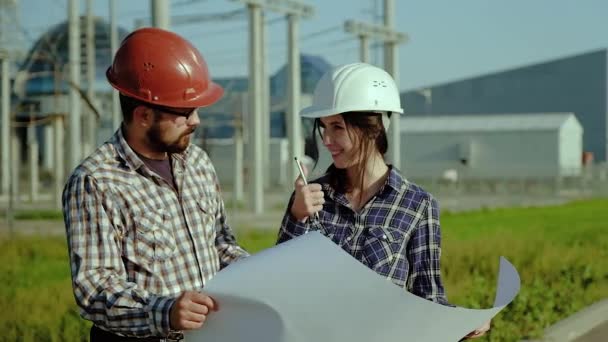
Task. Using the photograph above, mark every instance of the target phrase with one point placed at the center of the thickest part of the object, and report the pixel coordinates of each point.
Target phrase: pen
(304, 179)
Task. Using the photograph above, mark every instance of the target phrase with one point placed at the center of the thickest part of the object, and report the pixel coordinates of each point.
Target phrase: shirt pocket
(206, 213)
(155, 240)
(381, 248)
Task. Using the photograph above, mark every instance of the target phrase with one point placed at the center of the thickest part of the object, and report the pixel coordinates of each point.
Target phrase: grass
(560, 253)
(37, 214)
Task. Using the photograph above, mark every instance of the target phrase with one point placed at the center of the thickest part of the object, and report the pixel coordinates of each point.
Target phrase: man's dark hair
(128, 105)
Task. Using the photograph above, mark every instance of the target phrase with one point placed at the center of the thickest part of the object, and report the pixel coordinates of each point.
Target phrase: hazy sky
(449, 40)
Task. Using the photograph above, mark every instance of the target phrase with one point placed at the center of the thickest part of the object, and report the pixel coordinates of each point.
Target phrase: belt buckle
(174, 336)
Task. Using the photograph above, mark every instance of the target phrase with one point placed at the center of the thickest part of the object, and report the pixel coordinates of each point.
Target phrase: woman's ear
(386, 120)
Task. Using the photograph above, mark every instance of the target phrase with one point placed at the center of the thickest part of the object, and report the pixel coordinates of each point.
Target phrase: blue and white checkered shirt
(135, 243)
(397, 233)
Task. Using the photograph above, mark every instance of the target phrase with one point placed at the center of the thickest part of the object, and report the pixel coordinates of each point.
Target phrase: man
(144, 217)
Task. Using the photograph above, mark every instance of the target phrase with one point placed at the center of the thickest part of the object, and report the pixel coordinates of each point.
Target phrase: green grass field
(560, 252)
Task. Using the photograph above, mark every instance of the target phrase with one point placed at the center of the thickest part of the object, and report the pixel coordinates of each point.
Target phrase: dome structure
(45, 66)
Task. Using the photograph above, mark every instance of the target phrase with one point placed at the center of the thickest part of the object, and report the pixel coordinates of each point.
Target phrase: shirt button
(383, 236)
(349, 238)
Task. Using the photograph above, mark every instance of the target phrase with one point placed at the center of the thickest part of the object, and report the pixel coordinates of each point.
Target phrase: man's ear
(143, 116)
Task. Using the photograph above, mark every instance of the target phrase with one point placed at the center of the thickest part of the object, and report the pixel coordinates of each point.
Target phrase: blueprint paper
(309, 289)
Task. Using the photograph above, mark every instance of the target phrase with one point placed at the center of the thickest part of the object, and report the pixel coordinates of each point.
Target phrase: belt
(100, 335)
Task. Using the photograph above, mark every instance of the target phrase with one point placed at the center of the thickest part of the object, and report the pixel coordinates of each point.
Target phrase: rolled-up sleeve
(99, 278)
(227, 247)
(290, 226)
(424, 254)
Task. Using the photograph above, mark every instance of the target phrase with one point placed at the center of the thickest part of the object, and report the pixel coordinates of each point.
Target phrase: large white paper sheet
(309, 289)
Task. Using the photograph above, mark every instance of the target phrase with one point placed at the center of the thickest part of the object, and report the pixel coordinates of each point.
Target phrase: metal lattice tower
(11, 35)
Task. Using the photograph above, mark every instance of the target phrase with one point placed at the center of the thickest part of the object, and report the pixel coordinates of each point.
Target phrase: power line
(283, 43)
(185, 19)
(188, 2)
(280, 45)
(240, 28)
(234, 64)
(62, 4)
(320, 32)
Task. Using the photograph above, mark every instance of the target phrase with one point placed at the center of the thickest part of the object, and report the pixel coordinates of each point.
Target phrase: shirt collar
(394, 182)
(131, 159)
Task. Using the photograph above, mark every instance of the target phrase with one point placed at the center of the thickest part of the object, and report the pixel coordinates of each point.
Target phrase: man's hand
(190, 310)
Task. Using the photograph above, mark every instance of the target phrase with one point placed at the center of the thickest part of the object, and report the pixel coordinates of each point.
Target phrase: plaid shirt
(135, 243)
(397, 233)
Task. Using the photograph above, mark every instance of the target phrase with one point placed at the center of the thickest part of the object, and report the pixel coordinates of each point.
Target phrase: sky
(449, 40)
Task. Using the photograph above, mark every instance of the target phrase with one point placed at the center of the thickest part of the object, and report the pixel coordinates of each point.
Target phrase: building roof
(311, 70)
(486, 123)
(558, 59)
(237, 84)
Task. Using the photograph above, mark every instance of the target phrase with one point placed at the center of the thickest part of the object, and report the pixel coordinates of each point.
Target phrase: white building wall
(571, 148)
(488, 155)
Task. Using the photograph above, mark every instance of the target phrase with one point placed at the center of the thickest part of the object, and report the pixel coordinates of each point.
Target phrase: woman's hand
(479, 331)
(308, 199)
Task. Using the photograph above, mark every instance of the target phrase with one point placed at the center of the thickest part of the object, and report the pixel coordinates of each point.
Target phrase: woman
(362, 204)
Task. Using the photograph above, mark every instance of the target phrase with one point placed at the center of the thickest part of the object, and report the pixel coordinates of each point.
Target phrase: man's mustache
(189, 132)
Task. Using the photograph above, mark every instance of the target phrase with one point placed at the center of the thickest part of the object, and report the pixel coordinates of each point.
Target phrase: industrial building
(506, 146)
(575, 84)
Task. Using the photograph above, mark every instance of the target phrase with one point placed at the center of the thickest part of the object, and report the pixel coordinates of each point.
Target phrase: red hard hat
(160, 67)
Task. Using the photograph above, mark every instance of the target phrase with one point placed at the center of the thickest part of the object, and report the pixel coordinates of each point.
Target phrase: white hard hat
(356, 87)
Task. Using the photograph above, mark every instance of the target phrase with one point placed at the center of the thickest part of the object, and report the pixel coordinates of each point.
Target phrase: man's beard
(178, 146)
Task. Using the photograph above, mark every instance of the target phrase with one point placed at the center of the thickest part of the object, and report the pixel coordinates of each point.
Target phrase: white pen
(304, 179)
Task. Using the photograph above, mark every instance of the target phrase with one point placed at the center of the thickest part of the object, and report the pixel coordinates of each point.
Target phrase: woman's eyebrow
(333, 123)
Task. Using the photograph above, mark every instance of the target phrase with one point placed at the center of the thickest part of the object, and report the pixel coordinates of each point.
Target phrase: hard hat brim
(211, 95)
(314, 112)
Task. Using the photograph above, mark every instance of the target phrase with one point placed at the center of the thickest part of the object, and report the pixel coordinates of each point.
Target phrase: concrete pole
(116, 112)
(75, 124)
(32, 149)
(58, 145)
(238, 154)
(391, 65)
(91, 128)
(265, 91)
(47, 145)
(15, 163)
(364, 48)
(13, 195)
(294, 123)
(6, 123)
(160, 14)
(256, 181)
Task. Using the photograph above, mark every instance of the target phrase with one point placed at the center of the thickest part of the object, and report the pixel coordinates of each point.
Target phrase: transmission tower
(11, 35)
